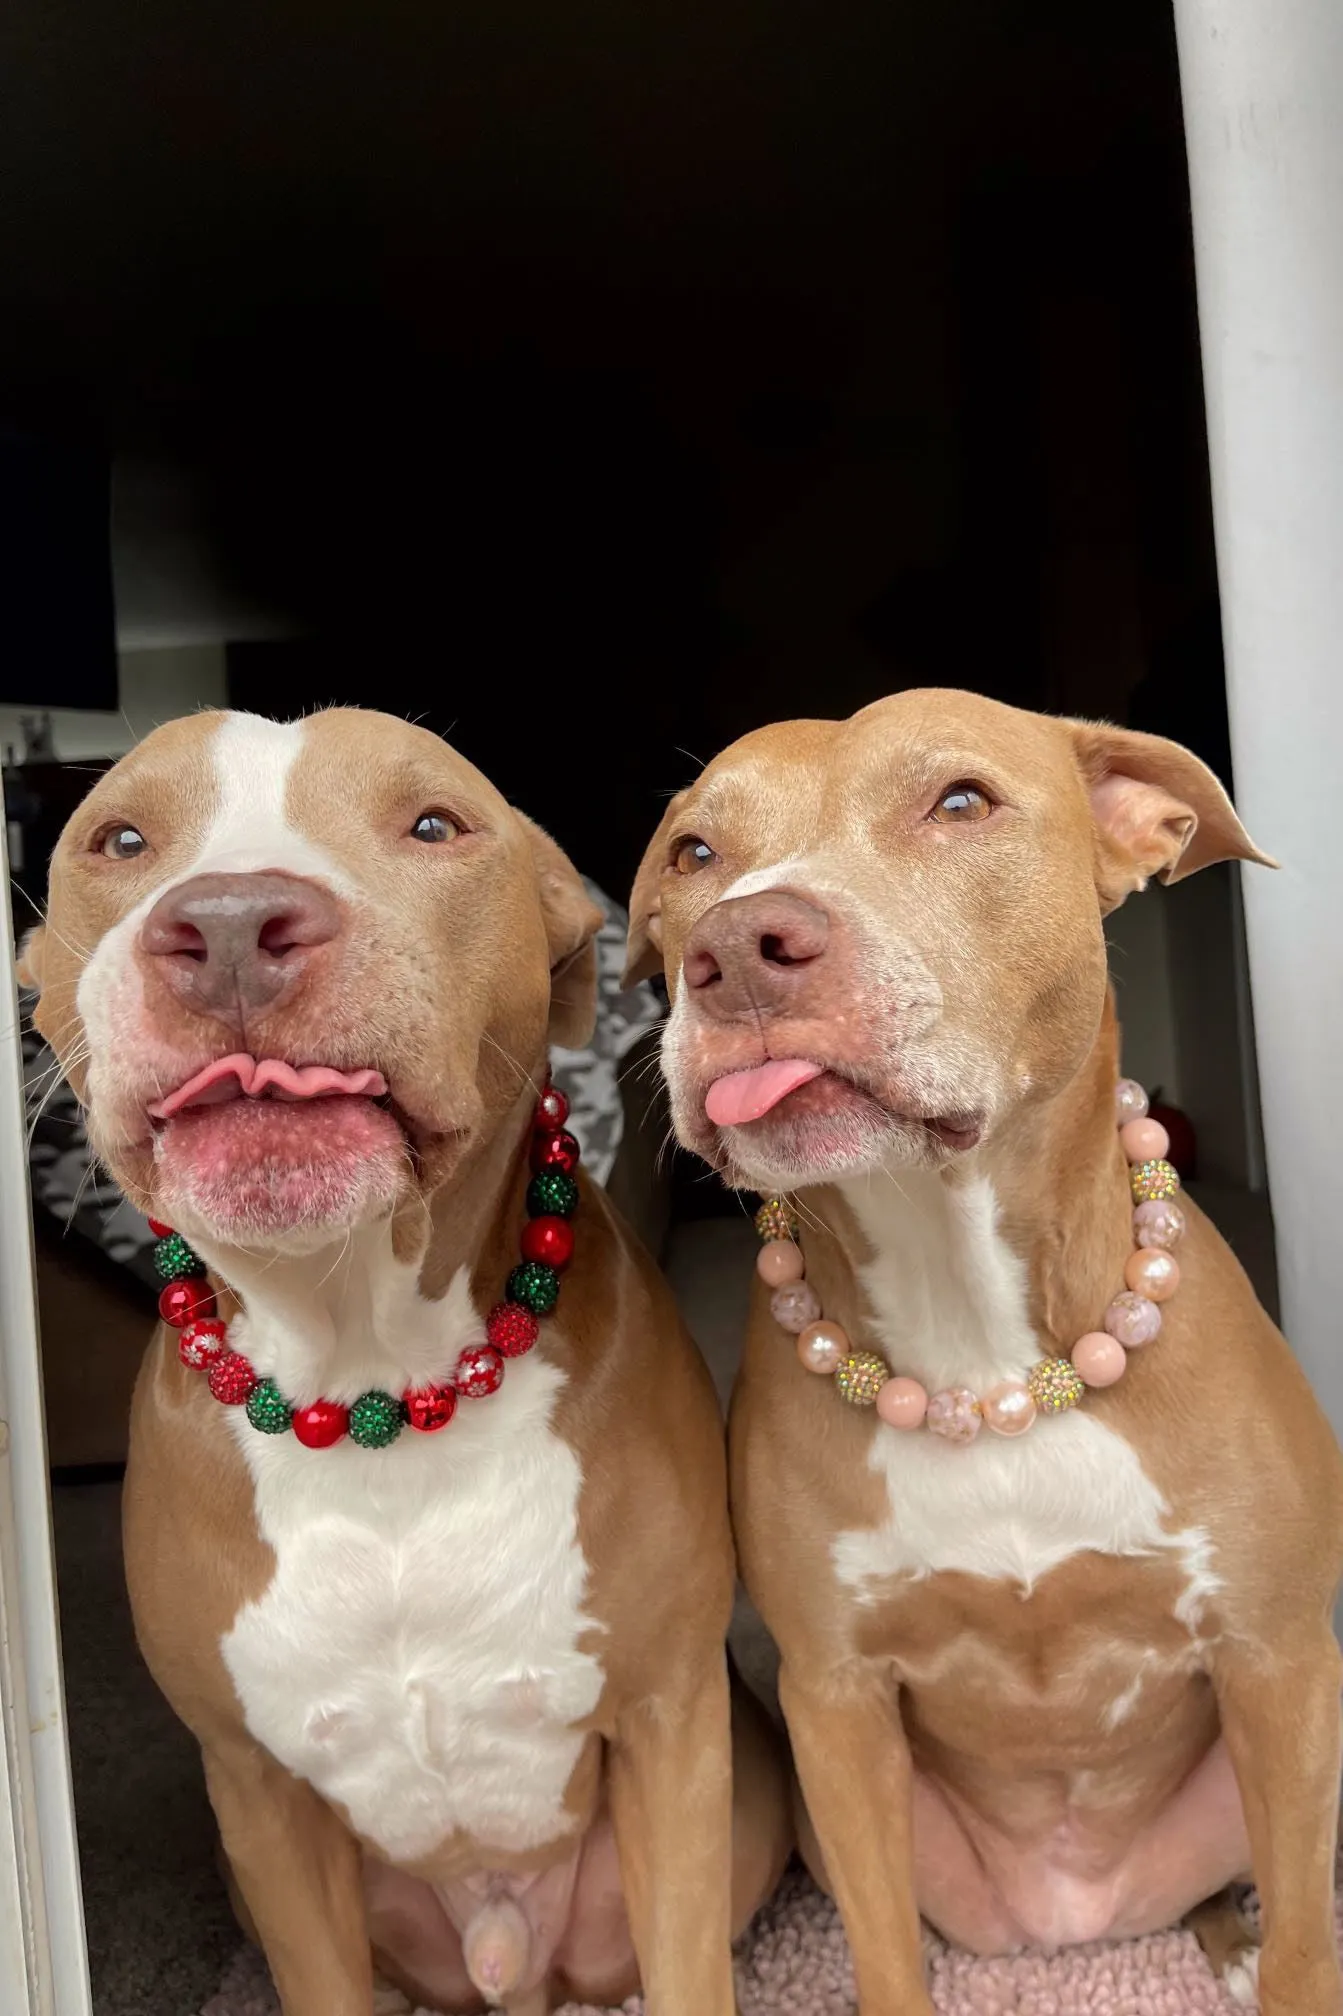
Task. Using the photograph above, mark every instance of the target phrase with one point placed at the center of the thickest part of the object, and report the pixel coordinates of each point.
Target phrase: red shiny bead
(184, 1302)
(232, 1379)
(430, 1408)
(555, 1151)
(201, 1343)
(479, 1371)
(158, 1228)
(511, 1329)
(318, 1426)
(550, 1240)
(552, 1110)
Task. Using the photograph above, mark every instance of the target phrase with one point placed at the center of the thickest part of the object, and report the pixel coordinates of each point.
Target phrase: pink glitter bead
(794, 1306)
(1130, 1101)
(1160, 1223)
(954, 1414)
(1132, 1320)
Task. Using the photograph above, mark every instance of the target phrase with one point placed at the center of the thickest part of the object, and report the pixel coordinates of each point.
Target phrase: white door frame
(43, 1963)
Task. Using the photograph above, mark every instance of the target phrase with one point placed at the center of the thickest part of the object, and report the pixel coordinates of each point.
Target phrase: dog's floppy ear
(572, 923)
(1158, 810)
(31, 957)
(643, 950)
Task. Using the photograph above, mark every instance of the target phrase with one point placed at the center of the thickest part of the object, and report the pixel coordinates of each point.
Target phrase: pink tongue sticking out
(242, 1076)
(744, 1096)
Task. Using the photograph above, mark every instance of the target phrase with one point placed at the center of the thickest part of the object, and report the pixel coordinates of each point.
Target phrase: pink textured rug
(794, 1962)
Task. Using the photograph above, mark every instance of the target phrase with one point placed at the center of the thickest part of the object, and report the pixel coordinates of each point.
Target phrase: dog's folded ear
(643, 950)
(29, 960)
(572, 922)
(1158, 810)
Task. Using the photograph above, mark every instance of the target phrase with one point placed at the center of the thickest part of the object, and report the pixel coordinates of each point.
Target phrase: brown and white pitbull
(1045, 1689)
(462, 1701)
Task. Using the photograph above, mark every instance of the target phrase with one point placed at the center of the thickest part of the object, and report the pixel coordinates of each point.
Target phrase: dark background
(599, 381)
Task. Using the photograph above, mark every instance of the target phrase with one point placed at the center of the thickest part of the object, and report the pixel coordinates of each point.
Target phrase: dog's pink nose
(229, 945)
(756, 954)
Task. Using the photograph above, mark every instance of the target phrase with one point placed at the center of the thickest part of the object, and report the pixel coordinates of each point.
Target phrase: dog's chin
(829, 1129)
(264, 1173)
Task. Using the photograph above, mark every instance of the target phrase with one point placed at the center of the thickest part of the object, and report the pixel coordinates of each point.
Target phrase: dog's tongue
(249, 1078)
(744, 1096)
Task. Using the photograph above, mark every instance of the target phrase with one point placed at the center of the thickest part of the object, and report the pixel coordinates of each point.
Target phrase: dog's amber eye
(692, 855)
(433, 828)
(122, 843)
(960, 806)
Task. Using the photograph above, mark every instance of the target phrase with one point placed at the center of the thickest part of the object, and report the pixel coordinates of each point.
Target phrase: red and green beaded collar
(376, 1419)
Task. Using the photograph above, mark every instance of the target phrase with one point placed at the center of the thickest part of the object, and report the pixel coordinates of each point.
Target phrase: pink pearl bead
(1132, 1320)
(1130, 1101)
(954, 1414)
(1008, 1409)
(1144, 1140)
(1099, 1359)
(1152, 1273)
(1158, 1223)
(779, 1262)
(795, 1306)
(822, 1345)
(902, 1403)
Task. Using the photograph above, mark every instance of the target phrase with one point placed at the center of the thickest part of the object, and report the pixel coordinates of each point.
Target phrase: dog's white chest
(419, 1654)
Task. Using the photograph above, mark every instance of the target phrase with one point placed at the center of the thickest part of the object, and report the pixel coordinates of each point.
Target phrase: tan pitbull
(1070, 1679)
(462, 1699)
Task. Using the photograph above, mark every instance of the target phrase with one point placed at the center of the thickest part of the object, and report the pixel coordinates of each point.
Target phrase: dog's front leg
(1280, 1717)
(298, 1873)
(671, 1805)
(854, 1765)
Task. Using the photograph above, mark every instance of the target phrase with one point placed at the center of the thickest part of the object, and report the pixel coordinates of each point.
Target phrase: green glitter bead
(552, 1194)
(267, 1408)
(375, 1420)
(175, 1261)
(535, 1286)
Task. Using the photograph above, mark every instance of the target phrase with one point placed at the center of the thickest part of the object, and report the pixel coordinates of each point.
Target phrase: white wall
(155, 686)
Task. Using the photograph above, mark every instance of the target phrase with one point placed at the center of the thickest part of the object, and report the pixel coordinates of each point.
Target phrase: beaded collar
(376, 1418)
(1054, 1385)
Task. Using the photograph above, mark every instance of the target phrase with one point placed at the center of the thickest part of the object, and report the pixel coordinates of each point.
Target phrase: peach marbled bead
(954, 1414)
(1153, 1273)
(1144, 1140)
(821, 1346)
(794, 1306)
(1130, 1101)
(1160, 1223)
(779, 1262)
(1008, 1409)
(902, 1403)
(1132, 1320)
(1099, 1359)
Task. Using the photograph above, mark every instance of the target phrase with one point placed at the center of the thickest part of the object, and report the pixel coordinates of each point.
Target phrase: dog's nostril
(774, 950)
(279, 935)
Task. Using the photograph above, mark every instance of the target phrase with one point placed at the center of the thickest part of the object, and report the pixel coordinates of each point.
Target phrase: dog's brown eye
(433, 828)
(692, 855)
(960, 806)
(122, 843)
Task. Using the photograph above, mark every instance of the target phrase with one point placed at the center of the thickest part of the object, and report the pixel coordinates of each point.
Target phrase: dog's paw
(1241, 1976)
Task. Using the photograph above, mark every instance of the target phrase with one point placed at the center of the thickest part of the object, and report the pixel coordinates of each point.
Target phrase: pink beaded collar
(1054, 1385)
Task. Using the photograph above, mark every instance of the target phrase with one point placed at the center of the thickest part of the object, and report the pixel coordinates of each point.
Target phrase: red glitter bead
(552, 1110)
(201, 1343)
(430, 1407)
(550, 1240)
(158, 1228)
(511, 1329)
(555, 1151)
(479, 1371)
(184, 1302)
(318, 1426)
(232, 1379)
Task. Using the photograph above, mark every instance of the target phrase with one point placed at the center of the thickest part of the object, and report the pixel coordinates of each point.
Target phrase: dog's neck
(968, 1275)
(388, 1305)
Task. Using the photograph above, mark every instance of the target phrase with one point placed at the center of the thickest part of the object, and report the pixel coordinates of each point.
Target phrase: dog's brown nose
(229, 945)
(755, 954)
